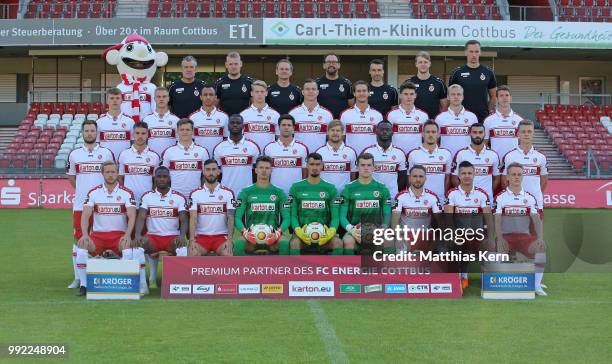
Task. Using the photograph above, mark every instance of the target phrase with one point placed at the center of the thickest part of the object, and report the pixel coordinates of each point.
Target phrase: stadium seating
(265, 8)
(576, 128)
(585, 10)
(455, 9)
(71, 9)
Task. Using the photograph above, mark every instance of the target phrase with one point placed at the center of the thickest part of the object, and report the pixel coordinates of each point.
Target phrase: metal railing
(575, 99)
(524, 13)
(591, 159)
(65, 95)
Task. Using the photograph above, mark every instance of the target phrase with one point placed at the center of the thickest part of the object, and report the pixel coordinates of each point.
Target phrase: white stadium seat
(79, 117)
(93, 117)
(42, 117)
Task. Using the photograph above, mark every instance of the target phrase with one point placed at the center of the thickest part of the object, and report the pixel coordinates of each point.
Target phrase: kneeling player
(211, 215)
(365, 202)
(165, 214)
(515, 210)
(314, 211)
(262, 215)
(114, 214)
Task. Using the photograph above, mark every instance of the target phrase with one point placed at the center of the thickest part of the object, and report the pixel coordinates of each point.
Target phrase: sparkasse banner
(434, 32)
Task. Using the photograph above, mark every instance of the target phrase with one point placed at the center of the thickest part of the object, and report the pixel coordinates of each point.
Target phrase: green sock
(283, 247)
(294, 252)
(389, 250)
(337, 251)
(239, 247)
(349, 251)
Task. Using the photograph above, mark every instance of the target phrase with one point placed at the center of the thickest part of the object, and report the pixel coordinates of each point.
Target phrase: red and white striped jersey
(162, 131)
(236, 161)
(437, 163)
(146, 93)
(115, 133)
(110, 207)
(486, 165)
(86, 165)
(185, 164)
(287, 162)
(455, 129)
(338, 164)
(387, 164)
(311, 125)
(260, 125)
(407, 127)
(416, 210)
(515, 209)
(209, 129)
(212, 208)
(534, 166)
(467, 202)
(163, 211)
(502, 131)
(137, 169)
(360, 127)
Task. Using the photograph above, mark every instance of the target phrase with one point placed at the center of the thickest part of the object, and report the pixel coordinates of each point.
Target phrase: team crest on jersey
(465, 120)
(322, 194)
(169, 122)
(319, 118)
(195, 155)
(148, 160)
(482, 76)
(244, 89)
(341, 88)
(371, 118)
(269, 117)
(171, 202)
(196, 92)
(344, 156)
(440, 158)
(220, 198)
(118, 198)
(244, 150)
(524, 200)
(291, 97)
(272, 197)
(431, 88)
(476, 200)
(376, 193)
(218, 121)
(99, 156)
(123, 125)
(513, 122)
(426, 202)
(294, 151)
(385, 95)
(416, 118)
(394, 157)
(535, 160)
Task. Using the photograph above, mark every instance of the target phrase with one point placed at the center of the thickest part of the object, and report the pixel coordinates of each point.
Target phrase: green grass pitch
(573, 324)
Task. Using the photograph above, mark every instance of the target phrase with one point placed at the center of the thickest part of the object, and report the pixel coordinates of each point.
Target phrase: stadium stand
(37, 9)
(584, 10)
(455, 9)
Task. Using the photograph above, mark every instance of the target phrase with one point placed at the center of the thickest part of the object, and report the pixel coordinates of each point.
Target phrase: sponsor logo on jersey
(467, 210)
(109, 209)
(205, 131)
(336, 166)
(318, 205)
(516, 211)
(360, 128)
(287, 162)
(186, 165)
(367, 204)
(435, 168)
(382, 167)
(237, 160)
(306, 127)
(454, 130)
(503, 132)
(407, 128)
(212, 208)
(163, 212)
(531, 170)
(416, 211)
(86, 167)
(114, 135)
(162, 133)
(482, 170)
(258, 127)
(263, 206)
(141, 169)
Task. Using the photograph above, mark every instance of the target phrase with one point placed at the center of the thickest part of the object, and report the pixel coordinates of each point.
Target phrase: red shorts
(76, 224)
(161, 243)
(211, 242)
(520, 242)
(108, 240)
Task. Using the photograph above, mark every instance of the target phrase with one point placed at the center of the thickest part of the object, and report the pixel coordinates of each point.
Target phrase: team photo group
(240, 167)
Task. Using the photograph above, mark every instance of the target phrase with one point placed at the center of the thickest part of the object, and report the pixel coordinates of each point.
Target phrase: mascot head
(135, 57)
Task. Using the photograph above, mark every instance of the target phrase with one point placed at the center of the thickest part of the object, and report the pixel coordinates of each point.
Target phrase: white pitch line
(333, 345)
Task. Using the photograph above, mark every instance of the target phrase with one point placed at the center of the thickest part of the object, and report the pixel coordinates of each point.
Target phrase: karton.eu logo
(10, 195)
(280, 29)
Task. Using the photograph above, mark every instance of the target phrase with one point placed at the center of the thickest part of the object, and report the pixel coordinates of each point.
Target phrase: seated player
(515, 211)
(262, 215)
(165, 213)
(365, 203)
(114, 214)
(211, 215)
(313, 201)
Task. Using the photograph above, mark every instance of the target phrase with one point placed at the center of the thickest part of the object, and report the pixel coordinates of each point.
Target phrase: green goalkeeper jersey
(256, 205)
(313, 203)
(365, 203)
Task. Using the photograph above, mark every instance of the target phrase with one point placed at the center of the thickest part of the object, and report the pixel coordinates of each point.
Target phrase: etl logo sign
(10, 195)
(242, 31)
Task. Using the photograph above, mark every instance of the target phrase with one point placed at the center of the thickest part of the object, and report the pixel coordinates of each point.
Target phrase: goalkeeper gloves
(329, 233)
(355, 231)
(274, 236)
(249, 236)
(300, 233)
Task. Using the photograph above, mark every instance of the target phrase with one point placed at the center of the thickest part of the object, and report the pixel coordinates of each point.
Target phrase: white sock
(464, 275)
(540, 264)
(74, 267)
(153, 263)
(81, 265)
(181, 252)
(138, 255)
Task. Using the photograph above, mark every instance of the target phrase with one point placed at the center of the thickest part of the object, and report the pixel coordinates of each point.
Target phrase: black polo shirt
(382, 98)
(234, 95)
(334, 94)
(185, 97)
(283, 99)
(476, 83)
(429, 93)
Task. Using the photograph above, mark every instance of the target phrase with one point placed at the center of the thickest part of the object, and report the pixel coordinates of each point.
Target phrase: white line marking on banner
(333, 345)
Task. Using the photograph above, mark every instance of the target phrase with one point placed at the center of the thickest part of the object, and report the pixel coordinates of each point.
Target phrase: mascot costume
(136, 61)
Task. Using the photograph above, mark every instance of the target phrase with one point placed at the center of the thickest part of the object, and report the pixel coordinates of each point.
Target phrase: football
(315, 231)
(261, 232)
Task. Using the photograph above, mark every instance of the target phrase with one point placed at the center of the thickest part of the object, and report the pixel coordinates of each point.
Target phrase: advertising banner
(112, 279)
(508, 281)
(433, 32)
(310, 276)
(581, 193)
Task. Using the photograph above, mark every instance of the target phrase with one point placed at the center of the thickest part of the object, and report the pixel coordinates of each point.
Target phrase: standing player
(477, 80)
(165, 213)
(339, 160)
(382, 96)
(259, 118)
(262, 203)
(235, 155)
(334, 90)
(185, 160)
(162, 123)
(185, 92)
(535, 172)
(233, 90)
(365, 201)
(114, 128)
(314, 201)
(436, 160)
(84, 172)
(501, 127)
(484, 160)
(211, 215)
(282, 95)
(209, 123)
(414, 208)
(389, 160)
(455, 122)
(407, 120)
(516, 209)
(360, 120)
(430, 90)
(114, 214)
(137, 163)
(311, 119)
(288, 156)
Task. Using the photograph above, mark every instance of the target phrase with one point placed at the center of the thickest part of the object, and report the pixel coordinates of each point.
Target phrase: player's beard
(210, 179)
(315, 174)
(418, 186)
(477, 141)
(331, 73)
(89, 140)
